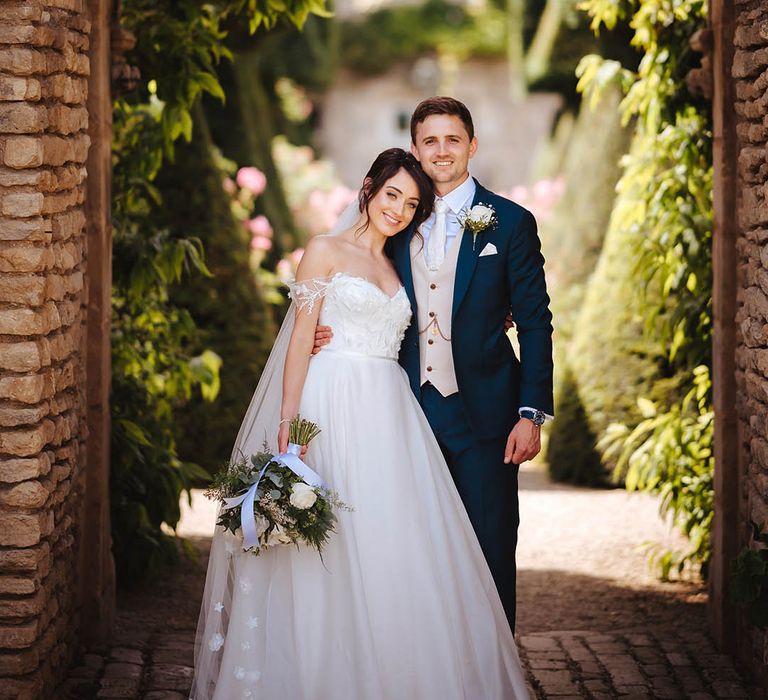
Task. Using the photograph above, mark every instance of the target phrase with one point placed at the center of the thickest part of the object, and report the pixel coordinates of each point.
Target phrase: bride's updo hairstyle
(387, 164)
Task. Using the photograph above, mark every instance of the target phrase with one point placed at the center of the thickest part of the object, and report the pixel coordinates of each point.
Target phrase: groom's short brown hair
(441, 105)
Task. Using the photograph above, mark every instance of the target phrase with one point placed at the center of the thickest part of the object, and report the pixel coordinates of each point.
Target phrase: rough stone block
(30, 606)
(22, 204)
(26, 356)
(15, 470)
(23, 152)
(22, 118)
(27, 389)
(25, 442)
(18, 258)
(27, 494)
(22, 289)
(18, 34)
(67, 120)
(58, 202)
(21, 321)
(18, 60)
(20, 178)
(68, 224)
(19, 663)
(12, 415)
(19, 530)
(65, 88)
(15, 88)
(32, 229)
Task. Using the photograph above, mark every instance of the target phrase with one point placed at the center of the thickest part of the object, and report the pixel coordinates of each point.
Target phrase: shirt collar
(462, 196)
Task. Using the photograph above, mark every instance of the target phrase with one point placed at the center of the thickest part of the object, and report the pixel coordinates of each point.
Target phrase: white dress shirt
(457, 200)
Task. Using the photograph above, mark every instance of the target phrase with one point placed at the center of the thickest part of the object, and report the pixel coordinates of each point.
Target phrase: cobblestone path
(593, 622)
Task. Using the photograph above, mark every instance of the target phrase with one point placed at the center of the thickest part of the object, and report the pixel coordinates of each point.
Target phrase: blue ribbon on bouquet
(290, 458)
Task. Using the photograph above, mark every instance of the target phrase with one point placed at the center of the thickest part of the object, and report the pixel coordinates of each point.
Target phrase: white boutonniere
(478, 219)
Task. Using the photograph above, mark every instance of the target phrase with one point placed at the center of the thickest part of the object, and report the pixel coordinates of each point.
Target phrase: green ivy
(664, 204)
(179, 45)
(748, 585)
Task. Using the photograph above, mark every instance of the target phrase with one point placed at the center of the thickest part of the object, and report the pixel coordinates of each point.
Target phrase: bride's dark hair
(387, 164)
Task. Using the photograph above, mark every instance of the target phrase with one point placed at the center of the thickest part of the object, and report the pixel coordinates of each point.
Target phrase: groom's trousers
(487, 486)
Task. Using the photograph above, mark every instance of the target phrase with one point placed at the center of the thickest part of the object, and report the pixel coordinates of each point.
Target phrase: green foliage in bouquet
(157, 359)
(286, 509)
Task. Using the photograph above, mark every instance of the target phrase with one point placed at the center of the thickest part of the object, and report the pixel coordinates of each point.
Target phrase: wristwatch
(538, 417)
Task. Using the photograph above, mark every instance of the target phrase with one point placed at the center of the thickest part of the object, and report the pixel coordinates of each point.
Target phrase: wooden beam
(97, 571)
(725, 233)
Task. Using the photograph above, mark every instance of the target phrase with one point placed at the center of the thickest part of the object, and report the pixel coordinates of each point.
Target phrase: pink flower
(296, 256)
(260, 226)
(519, 194)
(260, 243)
(252, 179)
(229, 185)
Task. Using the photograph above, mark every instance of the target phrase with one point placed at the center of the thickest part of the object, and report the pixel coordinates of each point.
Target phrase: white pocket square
(489, 249)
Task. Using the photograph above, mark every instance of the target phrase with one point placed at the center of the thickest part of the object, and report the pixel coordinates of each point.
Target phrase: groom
(485, 406)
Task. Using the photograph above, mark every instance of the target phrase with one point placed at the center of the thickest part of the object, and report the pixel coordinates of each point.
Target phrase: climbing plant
(180, 44)
(663, 212)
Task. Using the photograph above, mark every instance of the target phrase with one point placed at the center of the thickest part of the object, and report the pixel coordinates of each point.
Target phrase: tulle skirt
(402, 605)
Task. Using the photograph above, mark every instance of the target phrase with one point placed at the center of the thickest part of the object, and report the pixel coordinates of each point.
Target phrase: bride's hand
(282, 441)
(282, 438)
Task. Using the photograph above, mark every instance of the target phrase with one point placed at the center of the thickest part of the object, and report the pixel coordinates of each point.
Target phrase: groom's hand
(523, 443)
(323, 335)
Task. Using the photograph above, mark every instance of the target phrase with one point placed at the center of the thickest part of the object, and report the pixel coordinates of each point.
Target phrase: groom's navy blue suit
(472, 426)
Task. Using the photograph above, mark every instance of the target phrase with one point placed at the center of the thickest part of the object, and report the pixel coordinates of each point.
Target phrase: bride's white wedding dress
(403, 606)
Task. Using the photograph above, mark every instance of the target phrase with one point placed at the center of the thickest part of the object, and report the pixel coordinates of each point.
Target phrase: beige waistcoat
(434, 298)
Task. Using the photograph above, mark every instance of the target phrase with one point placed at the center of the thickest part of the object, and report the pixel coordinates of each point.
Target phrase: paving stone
(170, 677)
(532, 643)
(121, 670)
(727, 689)
(128, 656)
(677, 659)
(122, 688)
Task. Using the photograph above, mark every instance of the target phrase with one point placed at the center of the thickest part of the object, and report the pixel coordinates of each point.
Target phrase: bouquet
(271, 500)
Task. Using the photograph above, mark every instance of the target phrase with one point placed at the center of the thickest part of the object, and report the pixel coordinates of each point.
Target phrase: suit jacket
(493, 382)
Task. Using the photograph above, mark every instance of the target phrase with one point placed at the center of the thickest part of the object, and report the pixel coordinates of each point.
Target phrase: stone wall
(44, 143)
(750, 73)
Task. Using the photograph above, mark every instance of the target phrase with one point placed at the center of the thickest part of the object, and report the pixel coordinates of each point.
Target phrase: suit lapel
(465, 266)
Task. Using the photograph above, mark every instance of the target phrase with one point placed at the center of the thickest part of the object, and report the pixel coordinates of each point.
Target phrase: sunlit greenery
(663, 212)
(180, 45)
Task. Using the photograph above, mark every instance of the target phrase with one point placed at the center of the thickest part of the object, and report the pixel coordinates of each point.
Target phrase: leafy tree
(179, 46)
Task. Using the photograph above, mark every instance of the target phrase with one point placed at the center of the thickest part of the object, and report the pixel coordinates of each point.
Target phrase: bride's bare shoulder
(320, 254)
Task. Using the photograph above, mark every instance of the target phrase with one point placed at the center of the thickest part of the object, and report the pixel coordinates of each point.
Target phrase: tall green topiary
(573, 238)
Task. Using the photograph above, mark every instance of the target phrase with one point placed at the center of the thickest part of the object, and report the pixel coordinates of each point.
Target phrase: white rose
(277, 536)
(481, 213)
(303, 496)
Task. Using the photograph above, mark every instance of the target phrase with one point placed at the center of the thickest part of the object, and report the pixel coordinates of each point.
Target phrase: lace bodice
(365, 320)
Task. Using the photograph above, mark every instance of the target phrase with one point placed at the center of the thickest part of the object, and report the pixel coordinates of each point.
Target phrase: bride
(402, 606)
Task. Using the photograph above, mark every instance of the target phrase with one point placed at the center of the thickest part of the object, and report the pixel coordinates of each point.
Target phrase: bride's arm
(317, 263)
